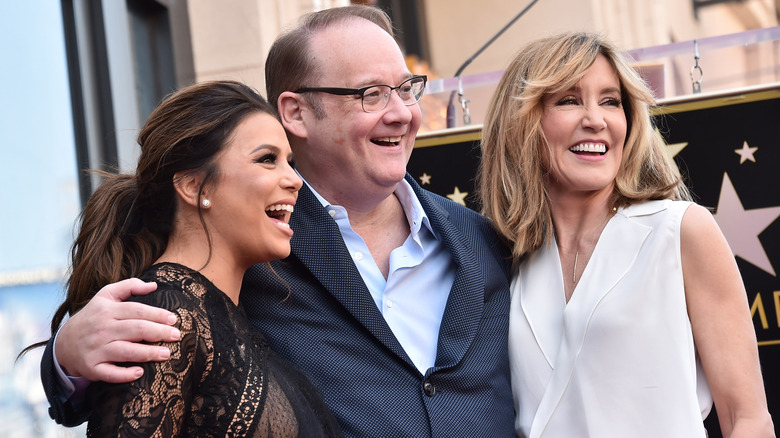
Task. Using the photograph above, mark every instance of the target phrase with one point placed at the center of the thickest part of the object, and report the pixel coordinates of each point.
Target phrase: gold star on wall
(458, 196)
(672, 149)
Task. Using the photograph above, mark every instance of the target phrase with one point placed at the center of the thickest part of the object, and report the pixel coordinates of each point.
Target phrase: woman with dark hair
(212, 195)
(628, 315)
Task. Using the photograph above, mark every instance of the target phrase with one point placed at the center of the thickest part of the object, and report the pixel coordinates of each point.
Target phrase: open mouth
(589, 148)
(386, 141)
(280, 212)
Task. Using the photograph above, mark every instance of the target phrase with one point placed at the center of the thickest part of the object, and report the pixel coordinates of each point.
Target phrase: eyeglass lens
(410, 91)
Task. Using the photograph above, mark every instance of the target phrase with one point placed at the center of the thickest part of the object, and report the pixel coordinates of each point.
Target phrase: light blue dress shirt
(422, 272)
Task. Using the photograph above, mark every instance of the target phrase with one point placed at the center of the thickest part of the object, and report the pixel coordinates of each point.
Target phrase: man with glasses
(394, 301)
(375, 97)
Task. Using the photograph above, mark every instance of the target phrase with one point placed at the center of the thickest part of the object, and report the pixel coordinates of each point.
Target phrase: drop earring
(206, 203)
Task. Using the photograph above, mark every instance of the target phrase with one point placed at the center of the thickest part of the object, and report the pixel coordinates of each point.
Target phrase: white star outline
(742, 227)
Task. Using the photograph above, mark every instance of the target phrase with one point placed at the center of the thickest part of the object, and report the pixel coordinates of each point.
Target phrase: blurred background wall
(80, 76)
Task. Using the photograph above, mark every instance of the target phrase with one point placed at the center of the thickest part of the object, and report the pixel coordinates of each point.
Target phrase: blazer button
(429, 389)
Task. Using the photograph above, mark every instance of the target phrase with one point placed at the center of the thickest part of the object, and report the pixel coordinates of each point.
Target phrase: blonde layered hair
(512, 174)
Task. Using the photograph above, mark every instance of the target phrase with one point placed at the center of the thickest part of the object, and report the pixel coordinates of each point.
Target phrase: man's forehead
(358, 53)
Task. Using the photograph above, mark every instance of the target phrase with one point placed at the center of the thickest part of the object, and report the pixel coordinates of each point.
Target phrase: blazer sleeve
(69, 412)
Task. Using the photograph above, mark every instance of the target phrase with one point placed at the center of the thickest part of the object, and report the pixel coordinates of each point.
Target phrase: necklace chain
(574, 271)
(577, 254)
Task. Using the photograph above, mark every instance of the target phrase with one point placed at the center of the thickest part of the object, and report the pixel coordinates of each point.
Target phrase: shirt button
(429, 389)
(332, 213)
(389, 303)
(358, 256)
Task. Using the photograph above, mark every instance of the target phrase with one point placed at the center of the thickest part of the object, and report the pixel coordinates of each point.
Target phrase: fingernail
(171, 319)
(165, 353)
(175, 334)
(139, 373)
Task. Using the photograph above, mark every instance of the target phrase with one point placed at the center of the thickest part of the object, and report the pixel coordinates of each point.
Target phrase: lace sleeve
(157, 403)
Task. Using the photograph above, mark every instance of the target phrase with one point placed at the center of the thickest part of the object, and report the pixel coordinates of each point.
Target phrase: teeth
(283, 224)
(280, 207)
(388, 139)
(589, 147)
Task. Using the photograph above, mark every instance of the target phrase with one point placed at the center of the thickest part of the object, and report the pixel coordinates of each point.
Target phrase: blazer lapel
(318, 244)
(463, 312)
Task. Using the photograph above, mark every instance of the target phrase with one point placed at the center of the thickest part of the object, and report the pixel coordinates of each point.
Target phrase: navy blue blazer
(69, 413)
(316, 311)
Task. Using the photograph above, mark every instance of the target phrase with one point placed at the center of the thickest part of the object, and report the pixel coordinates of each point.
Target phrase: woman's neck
(575, 214)
(578, 223)
(193, 252)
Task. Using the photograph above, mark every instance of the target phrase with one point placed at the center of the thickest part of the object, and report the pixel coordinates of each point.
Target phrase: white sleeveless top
(618, 360)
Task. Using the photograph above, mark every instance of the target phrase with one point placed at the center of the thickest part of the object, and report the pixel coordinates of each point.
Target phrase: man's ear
(291, 112)
(187, 184)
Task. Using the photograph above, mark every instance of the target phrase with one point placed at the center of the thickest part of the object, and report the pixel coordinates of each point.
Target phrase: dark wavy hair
(127, 221)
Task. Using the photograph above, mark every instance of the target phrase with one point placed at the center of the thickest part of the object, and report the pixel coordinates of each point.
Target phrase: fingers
(133, 330)
(130, 321)
(95, 354)
(117, 293)
(113, 374)
(129, 352)
(109, 304)
(104, 332)
(122, 290)
(133, 352)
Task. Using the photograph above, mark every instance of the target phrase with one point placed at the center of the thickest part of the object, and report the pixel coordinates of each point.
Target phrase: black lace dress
(222, 378)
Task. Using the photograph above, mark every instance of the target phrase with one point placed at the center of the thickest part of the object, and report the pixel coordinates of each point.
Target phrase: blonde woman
(628, 314)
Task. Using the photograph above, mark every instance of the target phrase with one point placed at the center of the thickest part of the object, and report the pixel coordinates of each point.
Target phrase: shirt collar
(415, 214)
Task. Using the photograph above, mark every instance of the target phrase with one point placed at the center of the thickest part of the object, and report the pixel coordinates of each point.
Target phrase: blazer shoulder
(458, 212)
(458, 219)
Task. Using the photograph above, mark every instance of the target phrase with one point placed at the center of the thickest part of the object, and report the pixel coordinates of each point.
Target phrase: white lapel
(542, 299)
(613, 256)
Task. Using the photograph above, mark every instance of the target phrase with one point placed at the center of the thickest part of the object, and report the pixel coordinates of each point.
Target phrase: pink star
(742, 227)
(746, 153)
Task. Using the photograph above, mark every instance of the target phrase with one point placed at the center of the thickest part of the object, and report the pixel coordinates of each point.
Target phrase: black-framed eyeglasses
(375, 97)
